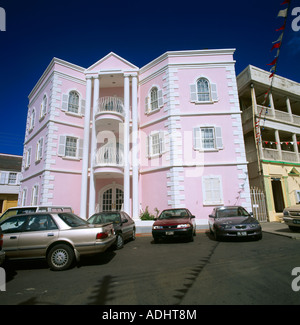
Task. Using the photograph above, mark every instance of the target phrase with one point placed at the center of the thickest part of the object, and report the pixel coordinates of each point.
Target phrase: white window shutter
(219, 140)
(82, 106)
(147, 105)
(148, 146)
(161, 142)
(80, 148)
(197, 138)
(65, 98)
(193, 92)
(214, 93)
(160, 98)
(61, 145)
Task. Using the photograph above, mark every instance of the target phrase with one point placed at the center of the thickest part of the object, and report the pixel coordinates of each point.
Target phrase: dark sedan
(124, 226)
(172, 223)
(233, 221)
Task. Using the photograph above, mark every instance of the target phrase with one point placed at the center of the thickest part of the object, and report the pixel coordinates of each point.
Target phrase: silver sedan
(59, 237)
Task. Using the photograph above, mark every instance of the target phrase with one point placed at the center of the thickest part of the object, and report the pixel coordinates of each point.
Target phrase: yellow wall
(9, 200)
(290, 181)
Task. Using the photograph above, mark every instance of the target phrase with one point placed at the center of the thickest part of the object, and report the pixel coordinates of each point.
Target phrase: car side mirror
(192, 216)
(211, 216)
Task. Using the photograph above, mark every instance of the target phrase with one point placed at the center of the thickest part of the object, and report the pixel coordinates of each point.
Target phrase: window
(40, 223)
(203, 91)
(35, 195)
(212, 190)
(70, 147)
(12, 178)
(39, 150)
(73, 103)
(155, 143)
(43, 107)
(27, 157)
(24, 197)
(208, 138)
(154, 101)
(32, 120)
(13, 224)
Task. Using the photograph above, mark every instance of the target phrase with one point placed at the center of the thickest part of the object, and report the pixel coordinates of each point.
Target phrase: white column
(92, 197)
(86, 142)
(278, 145)
(126, 147)
(135, 160)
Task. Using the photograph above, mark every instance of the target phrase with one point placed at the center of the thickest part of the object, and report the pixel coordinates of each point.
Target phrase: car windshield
(105, 217)
(232, 212)
(172, 214)
(72, 220)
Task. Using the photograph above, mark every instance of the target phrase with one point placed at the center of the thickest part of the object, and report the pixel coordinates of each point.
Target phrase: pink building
(115, 136)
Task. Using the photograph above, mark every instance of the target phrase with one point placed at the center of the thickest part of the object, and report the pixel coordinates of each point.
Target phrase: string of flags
(276, 45)
(283, 142)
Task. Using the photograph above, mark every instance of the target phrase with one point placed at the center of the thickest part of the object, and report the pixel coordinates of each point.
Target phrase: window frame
(198, 140)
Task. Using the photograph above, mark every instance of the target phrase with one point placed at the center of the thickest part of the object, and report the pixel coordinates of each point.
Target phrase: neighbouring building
(10, 173)
(114, 136)
(271, 125)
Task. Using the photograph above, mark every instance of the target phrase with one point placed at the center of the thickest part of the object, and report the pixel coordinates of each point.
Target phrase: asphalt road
(173, 273)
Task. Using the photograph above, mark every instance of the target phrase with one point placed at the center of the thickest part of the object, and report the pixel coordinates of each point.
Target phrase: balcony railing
(110, 105)
(109, 155)
(268, 112)
(274, 154)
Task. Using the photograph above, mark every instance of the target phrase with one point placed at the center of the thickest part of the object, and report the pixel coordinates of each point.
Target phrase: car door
(12, 229)
(39, 232)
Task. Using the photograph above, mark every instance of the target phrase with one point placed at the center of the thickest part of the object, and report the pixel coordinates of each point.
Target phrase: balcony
(271, 113)
(109, 160)
(110, 106)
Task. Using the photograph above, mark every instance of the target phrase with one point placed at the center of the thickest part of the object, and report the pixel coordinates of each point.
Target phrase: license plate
(296, 221)
(169, 233)
(242, 233)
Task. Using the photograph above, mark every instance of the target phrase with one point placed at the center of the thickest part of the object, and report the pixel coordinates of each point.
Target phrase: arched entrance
(111, 198)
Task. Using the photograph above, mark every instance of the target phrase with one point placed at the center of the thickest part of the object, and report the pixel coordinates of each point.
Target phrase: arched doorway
(111, 198)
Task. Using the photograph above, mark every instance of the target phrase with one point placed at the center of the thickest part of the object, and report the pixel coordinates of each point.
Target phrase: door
(12, 229)
(111, 198)
(37, 235)
(277, 195)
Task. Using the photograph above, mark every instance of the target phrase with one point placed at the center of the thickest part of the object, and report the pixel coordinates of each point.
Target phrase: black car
(233, 221)
(124, 226)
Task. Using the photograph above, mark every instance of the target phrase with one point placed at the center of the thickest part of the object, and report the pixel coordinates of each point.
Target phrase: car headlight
(285, 213)
(227, 226)
(184, 225)
(157, 227)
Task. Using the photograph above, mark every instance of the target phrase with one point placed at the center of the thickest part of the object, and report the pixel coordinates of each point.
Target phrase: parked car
(2, 253)
(174, 223)
(291, 216)
(124, 226)
(233, 221)
(60, 238)
(30, 209)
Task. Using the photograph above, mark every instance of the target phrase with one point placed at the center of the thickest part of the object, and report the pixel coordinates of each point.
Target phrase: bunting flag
(276, 45)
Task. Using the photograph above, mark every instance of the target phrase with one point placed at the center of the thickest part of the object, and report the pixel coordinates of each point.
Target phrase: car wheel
(60, 257)
(119, 241)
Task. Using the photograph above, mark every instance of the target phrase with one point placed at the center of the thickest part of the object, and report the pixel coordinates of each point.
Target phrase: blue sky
(82, 32)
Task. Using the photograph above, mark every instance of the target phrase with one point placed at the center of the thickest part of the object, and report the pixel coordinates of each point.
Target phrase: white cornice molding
(190, 53)
(49, 71)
